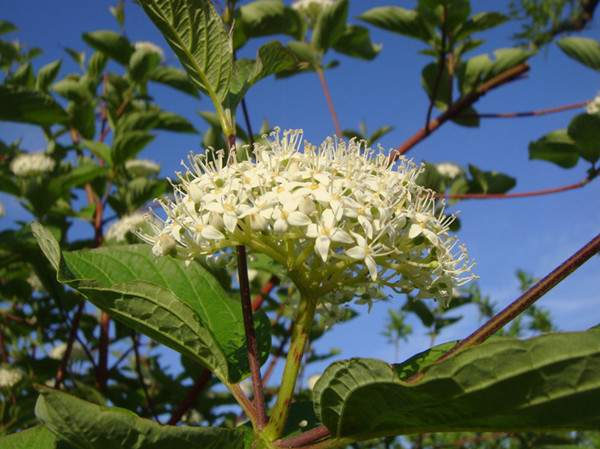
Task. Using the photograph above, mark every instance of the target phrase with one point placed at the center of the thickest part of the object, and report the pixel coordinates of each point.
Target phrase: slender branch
(62, 367)
(264, 293)
(440, 71)
(310, 436)
(248, 123)
(573, 23)
(120, 359)
(457, 107)
(524, 301)
(140, 374)
(202, 381)
(534, 113)
(504, 196)
(327, 93)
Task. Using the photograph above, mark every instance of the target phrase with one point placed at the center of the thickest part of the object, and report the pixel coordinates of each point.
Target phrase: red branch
(504, 196)
(265, 291)
(457, 107)
(535, 113)
(304, 438)
(62, 367)
(201, 383)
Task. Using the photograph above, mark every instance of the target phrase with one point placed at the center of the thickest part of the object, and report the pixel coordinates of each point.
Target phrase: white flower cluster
(142, 167)
(9, 377)
(311, 8)
(339, 218)
(448, 169)
(32, 164)
(593, 107)
(150, 47)
(127, 225)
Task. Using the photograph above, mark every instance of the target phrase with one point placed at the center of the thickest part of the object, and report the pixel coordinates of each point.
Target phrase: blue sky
(533, 234)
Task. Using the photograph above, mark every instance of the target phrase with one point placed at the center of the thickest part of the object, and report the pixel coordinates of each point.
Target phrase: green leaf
(583, 50)
(141, 64)
(265, 18)
(198, 37)
(77, 56)
(422, 360)
(112, 44)
(330, 25)
(82, 116)
(77, 177)
(47, 74)
(128, 144)
(73, 90)
(556, 147)
(28, 106)
(7, 27)
(169, 121)
(356, 42)
(472, 72)
(398, 20)
(175, 78)
(98, 149)
(429, 77)
(550, 382)
(183, 307)
(480, 22)
(490, 181)
(506, 58)
(584, 129)
(90, 426)
(38, 437)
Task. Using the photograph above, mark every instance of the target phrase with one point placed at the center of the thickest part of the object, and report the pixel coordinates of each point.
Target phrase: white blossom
(58, 352)
(151, 47)
(127, 225)
(142, 167)
(593, 107)
(32, 164)
(9, 377)
(340, 218)
(448, 169)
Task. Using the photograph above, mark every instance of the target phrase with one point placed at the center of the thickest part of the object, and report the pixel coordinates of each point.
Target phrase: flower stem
(300, 333)
(325, 87)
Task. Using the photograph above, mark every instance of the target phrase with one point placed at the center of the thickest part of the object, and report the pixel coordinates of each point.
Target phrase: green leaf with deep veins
(38, 437)
(89, 426)
(181, 306)
(197, 35)
(550, 382)
(28, 106)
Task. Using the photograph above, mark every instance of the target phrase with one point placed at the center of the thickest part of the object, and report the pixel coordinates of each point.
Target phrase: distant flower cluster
(449, 169)
(339, 217)
(9, 377)
(593, 107)
(127, 225)
(142, 167)
(32, 164)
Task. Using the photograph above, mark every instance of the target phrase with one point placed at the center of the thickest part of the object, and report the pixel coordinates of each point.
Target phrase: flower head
(448, 169)
(9, 377)
(150, 47)
(142, 167)
(127, 225)
(339, 218)
(32, 164)
(593, 106)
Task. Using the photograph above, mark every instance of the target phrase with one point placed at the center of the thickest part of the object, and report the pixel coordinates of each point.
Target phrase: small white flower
(9, 377)
(448, 169)
(142, 167)
(312, 381)
(127, 225)
(593, 106)
(151, 47)
(326, 231)
(32, 164)
(58, 352)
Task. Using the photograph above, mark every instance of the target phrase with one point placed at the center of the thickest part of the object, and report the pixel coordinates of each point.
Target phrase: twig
(504, 196)
(102, 371)
(457, 107)
(248, 124)
(120, 359)
(440, 72)
(534, 113)
(326, 92)
(199, 385)
(573, 23)
(62, 367)
(305, 438)
(140, 374)
(265, 291)
(524, 301)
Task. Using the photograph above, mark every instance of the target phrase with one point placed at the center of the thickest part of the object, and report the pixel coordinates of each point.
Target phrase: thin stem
(327, 93)
(525, 300)
(102, 372)
(310, 436)
(200, 385)
(248, 123)
(457, 107)
(300, 333)
(62, 368)
(140, 374)
(265, 291)
(504, 196)
(534, 113)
